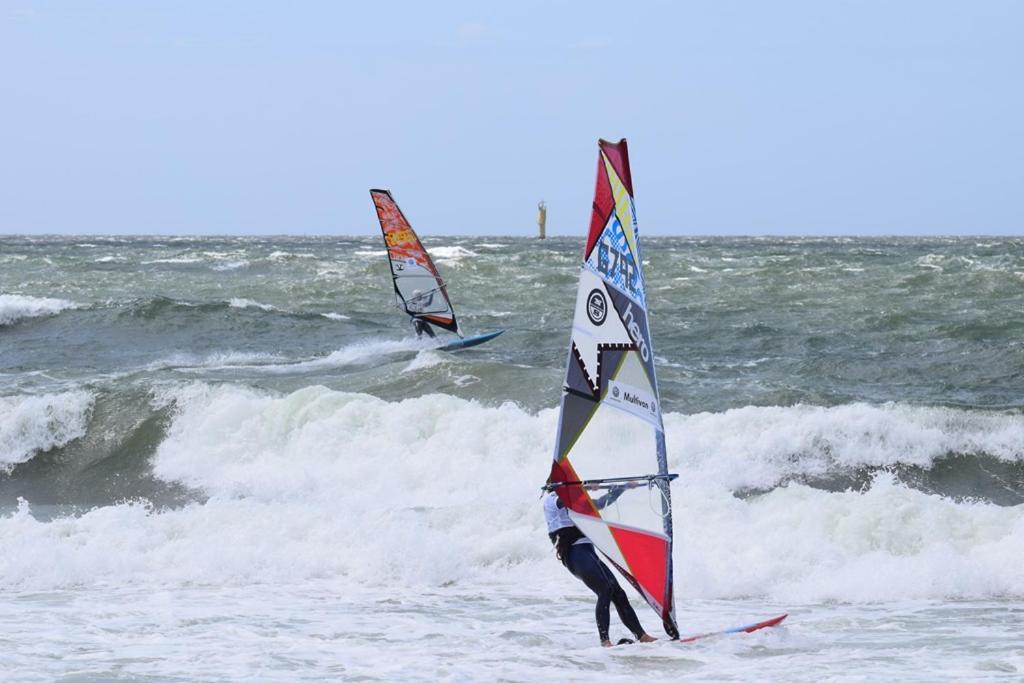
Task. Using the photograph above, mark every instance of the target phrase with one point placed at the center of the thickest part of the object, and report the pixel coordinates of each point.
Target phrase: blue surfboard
(467, 342)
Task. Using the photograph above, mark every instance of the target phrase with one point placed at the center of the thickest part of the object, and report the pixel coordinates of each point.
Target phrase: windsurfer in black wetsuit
(422, 327)
(416, 303)
(576, 552)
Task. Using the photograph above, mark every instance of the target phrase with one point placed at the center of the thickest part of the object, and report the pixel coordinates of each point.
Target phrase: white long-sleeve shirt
(557, 516)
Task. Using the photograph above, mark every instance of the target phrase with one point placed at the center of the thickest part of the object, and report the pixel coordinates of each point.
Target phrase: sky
(858, 117)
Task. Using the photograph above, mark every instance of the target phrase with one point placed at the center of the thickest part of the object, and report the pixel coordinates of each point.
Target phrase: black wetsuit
(588, 568)
(583, 562)
(422, 327)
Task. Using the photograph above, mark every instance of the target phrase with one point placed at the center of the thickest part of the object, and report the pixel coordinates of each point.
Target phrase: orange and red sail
(419, 289)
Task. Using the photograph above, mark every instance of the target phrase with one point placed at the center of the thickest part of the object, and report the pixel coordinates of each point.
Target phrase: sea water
(231, 459)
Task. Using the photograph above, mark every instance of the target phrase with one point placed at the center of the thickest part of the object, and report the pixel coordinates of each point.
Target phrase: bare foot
(606, 643)
(647, 638)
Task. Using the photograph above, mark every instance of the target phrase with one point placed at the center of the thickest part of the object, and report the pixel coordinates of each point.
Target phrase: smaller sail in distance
(419, 289)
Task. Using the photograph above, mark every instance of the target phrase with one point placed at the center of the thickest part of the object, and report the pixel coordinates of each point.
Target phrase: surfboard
(748, 628)
(467, 342)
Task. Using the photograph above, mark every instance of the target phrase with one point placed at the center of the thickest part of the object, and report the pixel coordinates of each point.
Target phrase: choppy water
(227, 458)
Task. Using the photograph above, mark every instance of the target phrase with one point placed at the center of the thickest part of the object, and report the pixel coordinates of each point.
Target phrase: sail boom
(610, 482)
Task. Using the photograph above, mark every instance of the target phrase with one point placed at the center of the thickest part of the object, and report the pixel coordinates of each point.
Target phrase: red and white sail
(419, 289)
(610, 428)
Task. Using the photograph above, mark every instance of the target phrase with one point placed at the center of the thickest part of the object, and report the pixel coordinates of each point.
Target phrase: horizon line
(582, 235)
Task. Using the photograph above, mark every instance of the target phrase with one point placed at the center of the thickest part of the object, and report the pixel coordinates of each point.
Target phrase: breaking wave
(763, 447)
(31, 424)
(438, 490)
(359, 353)
(249, 303)
(15, 307)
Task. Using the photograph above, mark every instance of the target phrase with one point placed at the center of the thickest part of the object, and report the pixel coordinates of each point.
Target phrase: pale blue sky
(817, 117)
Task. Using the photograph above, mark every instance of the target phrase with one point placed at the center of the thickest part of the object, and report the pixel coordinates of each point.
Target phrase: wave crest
(37, 423)
(15, 307)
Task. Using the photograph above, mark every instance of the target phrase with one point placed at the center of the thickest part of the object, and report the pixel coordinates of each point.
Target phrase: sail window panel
(611, 445)
(420, 292)
(638, 508)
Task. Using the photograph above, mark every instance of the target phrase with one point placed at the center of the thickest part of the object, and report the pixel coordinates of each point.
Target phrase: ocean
(227, 459)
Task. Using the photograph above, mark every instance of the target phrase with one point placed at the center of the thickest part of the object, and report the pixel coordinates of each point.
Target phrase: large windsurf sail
(419, 289)
(610, 434)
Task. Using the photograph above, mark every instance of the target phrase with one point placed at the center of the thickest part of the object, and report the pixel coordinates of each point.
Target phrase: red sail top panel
(617, 154)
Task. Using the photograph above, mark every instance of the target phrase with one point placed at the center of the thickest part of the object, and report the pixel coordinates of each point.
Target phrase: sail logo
(617, 266)
(393, 239)
(597, 307)
(636, 400)
(633, 400)
(635, 333)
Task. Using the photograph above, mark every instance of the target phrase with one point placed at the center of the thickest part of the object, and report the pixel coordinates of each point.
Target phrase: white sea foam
(232, 265)
(288, 255)
(761, 446)
(336, 316)
(15, 307)
(452, 253)
(216, 360)
(353, 354)
(437, 490)
(890, 542)
(249, 303)
(31, 424)
(427, 358)
(174, 260)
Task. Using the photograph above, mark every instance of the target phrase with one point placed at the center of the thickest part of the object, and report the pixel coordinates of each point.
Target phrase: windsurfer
(577, 554)
(422, 327)
(418, 302)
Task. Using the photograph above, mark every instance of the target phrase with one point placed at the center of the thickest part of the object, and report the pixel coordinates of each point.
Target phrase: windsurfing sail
(610, 432)
(419, 289)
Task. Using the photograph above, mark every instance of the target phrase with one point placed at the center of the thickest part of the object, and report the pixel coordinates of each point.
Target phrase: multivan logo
(597, 306)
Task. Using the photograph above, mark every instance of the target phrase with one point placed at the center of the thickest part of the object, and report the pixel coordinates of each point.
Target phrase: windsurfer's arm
(613, 495)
